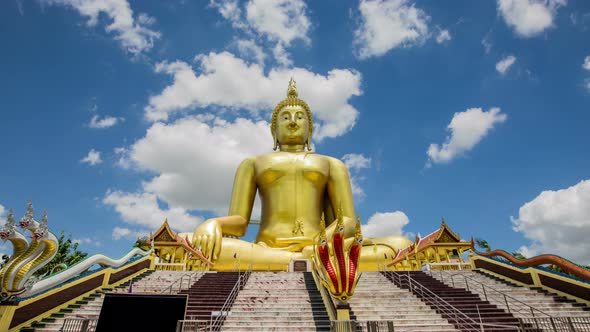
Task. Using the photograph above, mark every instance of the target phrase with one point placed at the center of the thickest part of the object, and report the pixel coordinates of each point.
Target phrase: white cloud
(131, 235)
(106, 122)
(6, 247)
(387, 24)
(467, 129)
(143, 209)
(586, 64)
(87, 240)
(227, 81)
(249, 49)
(443, 36)
(487, 44)
(503, 65)
(281, 56)
(355, 163)
(529, 17)
(196, 161)
(230, 10)
(557, 222)
(385, 224)
(279, 22)
(119, 232)
(133, 34)
(92, 158)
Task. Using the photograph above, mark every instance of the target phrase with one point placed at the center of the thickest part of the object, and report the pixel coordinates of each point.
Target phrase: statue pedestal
(300, 265)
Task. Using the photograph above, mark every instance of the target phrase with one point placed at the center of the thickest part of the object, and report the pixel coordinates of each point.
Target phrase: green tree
(67, 253)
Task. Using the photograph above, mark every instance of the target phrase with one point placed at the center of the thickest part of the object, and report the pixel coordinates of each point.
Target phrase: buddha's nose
(293, 125)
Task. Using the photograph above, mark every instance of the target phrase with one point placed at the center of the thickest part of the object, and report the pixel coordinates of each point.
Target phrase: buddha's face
(292, 126)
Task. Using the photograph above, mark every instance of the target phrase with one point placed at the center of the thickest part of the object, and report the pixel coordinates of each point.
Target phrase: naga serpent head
(41, 231)
(28, 221)
(8, 230)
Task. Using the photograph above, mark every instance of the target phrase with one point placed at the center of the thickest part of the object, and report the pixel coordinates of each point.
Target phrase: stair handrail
(215, 324)
(460, 317)
(190, 276)
(326, 298)
(505, 296)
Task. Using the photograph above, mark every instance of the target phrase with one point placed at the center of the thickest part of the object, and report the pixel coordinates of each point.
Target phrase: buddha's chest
(296, 169)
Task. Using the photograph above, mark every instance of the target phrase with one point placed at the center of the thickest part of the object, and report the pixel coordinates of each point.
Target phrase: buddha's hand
(208, 237)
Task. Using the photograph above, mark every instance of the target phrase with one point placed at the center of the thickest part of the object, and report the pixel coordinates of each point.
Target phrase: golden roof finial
(443, 221)
(292, 89)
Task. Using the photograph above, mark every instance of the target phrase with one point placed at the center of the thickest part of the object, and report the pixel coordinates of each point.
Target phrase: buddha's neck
(292, 148)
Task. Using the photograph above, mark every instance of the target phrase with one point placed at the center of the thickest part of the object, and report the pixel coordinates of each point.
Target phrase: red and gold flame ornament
(338, 266)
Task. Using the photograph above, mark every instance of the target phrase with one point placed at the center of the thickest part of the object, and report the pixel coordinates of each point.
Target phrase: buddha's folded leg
(238, 254)
(375, 257)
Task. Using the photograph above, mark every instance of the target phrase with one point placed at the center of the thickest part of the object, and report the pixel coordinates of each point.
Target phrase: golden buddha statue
(297, 188)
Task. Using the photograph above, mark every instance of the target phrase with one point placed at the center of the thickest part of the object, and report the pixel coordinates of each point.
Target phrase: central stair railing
(461, 320)
(217, 321)
(186, 279)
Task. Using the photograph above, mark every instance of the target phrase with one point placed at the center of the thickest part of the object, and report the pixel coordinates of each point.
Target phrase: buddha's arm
(208, 235)
(242, 200)
(340, 192)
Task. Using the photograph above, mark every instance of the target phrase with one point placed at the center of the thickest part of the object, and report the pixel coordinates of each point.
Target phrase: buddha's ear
(274, 138)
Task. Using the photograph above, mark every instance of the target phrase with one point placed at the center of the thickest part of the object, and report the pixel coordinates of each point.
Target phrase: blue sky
(117, 114)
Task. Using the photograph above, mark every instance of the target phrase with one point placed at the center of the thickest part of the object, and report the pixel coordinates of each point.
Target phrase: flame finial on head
(292, 89)
(10, 218)
(30, 212)
(8, 228)
(28, 220)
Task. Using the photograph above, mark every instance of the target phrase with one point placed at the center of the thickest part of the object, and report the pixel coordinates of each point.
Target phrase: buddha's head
(291, 122)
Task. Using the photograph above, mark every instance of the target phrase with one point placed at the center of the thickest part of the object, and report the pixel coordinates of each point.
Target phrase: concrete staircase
(278, 301)
(518, 299)
(468, 303)
(89, 307)
(377, 299)
(207, 296)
